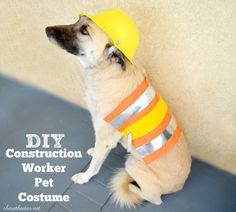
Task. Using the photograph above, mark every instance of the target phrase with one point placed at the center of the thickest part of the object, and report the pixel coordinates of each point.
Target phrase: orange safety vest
(145, 116)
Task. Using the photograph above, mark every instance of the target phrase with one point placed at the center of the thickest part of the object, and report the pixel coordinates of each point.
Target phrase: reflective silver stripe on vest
(159, 141)
(138, 105)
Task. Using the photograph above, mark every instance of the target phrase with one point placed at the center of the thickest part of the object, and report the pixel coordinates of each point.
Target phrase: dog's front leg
(106, 139)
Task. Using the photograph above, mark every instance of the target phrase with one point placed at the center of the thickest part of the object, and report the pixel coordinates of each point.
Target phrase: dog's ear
(115, 55)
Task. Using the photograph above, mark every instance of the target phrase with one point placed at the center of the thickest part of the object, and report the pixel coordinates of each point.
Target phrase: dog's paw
(90, 151)
(80, 178)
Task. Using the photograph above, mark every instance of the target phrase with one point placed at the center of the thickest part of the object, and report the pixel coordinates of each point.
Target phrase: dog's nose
(50, 31)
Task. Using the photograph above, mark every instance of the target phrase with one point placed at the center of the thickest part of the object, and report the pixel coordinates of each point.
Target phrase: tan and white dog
(108, 78)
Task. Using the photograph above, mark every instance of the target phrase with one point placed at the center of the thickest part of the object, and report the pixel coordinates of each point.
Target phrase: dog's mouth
(64, 36)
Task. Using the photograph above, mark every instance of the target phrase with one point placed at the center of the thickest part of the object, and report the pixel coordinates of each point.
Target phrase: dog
(109, 77)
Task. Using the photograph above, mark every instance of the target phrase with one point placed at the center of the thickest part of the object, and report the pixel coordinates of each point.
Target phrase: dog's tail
(120, 185)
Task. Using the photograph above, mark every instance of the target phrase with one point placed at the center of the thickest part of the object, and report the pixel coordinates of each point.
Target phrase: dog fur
(108, 78)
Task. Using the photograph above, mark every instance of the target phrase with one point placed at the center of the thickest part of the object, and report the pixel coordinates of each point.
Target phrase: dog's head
(87, 42)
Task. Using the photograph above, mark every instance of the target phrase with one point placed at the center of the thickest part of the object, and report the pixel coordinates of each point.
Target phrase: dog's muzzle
(64, 36)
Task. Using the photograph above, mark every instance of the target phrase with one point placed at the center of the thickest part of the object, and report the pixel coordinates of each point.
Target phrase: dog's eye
(84, 30)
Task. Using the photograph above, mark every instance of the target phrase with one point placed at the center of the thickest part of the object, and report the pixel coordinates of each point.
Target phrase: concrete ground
(24, 110)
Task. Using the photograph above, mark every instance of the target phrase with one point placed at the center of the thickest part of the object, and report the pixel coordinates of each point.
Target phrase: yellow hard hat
(120, 28)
